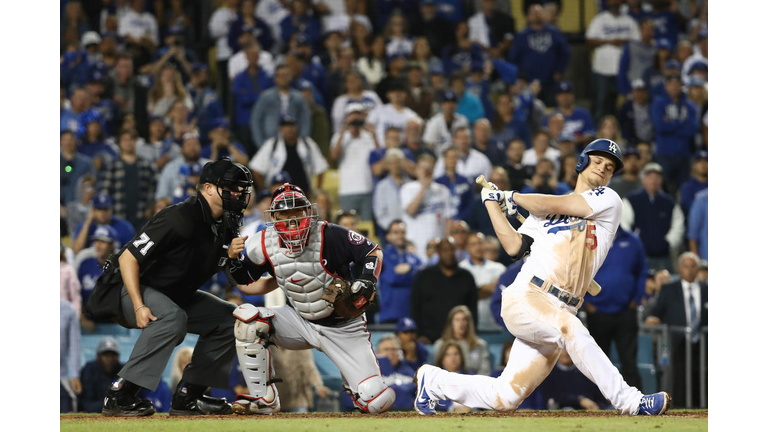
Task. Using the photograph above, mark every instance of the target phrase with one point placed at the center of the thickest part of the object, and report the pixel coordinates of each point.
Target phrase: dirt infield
(688, 414)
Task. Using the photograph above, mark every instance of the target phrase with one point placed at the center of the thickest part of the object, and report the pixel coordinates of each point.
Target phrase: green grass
(397, 422)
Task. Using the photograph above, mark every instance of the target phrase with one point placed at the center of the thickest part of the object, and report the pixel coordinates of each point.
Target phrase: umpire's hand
(144, 316)
(236, 247)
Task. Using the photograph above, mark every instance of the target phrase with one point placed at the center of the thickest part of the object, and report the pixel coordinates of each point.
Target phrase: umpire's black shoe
(189, 400)
(121, 401)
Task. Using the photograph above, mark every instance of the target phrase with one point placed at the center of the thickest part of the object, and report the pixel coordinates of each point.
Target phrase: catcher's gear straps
(252, 329)
(373, 396)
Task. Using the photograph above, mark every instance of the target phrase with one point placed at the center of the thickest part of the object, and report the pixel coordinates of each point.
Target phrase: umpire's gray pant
(205, 315)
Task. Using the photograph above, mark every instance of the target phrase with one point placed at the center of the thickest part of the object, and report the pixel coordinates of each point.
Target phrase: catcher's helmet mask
(292, 216)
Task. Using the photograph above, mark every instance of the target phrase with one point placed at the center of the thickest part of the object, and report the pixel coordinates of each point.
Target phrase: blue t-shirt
(125, 231)
(579, 123)
(88, 273)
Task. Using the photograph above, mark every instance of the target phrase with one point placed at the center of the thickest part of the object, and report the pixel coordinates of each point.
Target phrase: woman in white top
(167, 89)
(355, 92)
(459, 328)
(372, 64)
(398, 41)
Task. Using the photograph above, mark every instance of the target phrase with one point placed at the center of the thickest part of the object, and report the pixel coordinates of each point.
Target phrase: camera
(357, 123)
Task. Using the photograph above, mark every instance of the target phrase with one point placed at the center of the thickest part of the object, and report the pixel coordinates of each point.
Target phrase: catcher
(309, 260)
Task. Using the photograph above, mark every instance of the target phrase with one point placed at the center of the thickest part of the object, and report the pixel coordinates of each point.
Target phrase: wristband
(138, 308)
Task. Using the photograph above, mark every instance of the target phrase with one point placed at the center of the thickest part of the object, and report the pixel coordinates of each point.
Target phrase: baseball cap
(564, 87)
(638, 84)
(565, 136)
(90, 38)
(449, 96)
(195, 169)
(701, 154)
(198, 66)
(696, 81)
(287, 119)
(302, 40)
(175, 30)
(405, 324)
(104, 233)
(108, 344)
(652, 167)
(663, 43)
(698, 65)
(436, 69)
(280, 178)
(354, 107)
(631, 151)
(672, 64)
(102, 201)
(220, 123)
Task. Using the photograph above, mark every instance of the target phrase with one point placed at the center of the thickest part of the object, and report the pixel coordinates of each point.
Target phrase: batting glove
(507, 203)
(491, 195)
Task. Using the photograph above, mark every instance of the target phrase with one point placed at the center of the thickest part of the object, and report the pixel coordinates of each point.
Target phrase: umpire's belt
(561, 295)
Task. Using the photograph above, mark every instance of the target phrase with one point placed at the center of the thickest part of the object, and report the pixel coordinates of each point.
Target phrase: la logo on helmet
(612, 147)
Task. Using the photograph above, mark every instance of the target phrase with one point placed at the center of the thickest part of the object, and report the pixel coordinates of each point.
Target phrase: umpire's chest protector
(302, 277)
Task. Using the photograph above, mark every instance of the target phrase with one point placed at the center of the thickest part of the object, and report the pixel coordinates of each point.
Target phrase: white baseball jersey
(471, 166)
(605, 26)
(567, 251)
(430, 221)
(438, 133)
(387, 116)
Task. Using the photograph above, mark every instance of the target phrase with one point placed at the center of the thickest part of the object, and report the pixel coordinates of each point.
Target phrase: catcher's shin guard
(373, 396)
(252, 329)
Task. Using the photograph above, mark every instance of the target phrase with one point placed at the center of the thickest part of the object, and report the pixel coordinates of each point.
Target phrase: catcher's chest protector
(302, 278)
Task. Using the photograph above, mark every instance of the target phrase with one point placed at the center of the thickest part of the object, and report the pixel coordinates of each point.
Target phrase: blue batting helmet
(604, 146)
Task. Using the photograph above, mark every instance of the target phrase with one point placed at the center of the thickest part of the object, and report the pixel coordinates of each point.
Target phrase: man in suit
(683, 303)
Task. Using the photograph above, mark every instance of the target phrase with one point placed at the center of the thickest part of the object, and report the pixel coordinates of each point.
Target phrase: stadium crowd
(385, 111)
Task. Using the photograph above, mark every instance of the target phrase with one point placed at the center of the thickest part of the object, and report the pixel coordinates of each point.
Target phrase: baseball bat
(594, 287)
(481, 181)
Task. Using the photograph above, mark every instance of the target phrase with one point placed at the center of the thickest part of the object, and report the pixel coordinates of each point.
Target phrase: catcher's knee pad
(373, 396)
(252, 329)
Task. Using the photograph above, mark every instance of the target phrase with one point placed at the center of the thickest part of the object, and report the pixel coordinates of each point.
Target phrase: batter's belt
(561, 295)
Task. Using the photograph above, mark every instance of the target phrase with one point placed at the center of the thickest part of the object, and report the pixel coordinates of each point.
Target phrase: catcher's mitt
(347, 303)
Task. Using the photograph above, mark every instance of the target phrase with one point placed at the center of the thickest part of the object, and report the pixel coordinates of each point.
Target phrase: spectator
(698, 225)
(296, 154)
(507, 124)
(645, 149)
(567, 388)
(577, 120)
(469, 105)
(175, 172)
(517, 172)
(636, 57)
(69, 357)
(77, 209)
(302, 22)
(299, 387)
(568, 174)
(97, 375)
(219, 27)
(248, 20)
(541, 52)
(541, 150)
(101, 214)
(90, 261)
(461, 187)
(397, 37)
(93, 142)
(696, 183)
(486, 274)
(656, 217)
(491, 28)
(612, 316)
(492, 148)
(69, 285)
(71, 111)
(386, 193)
(628, 180)
(459, 232)
(74, 24)
(397, 275)
(667, 23)
(168, 89)
(544, 180)
(478, 219)
(434, 27)
(637, 9)
(683, 303)
(608, 33)
(265, 117)
(420, 98)
(173, 53)
(352, 147)
(674, 120)
(413, 139)
(415, 353)
(335, 59)
(207, 107)
(423, 56)
(221, 144)
(697, 93)
(393, 114)
(392, 139)
(130, 181)
(139, 30)
(321, 125)
(107, 108)
(181, 359)
(459, 55)
(698, 59)
(304, 71)
(355, 92)
(635, 115)
(247, 86)
(654, 75)
(73, 166)
(437, 290)
(459, 328)
(157, 148)
(372, 63)
(397, 374)
(610, 129)
(503, 361)
(441, 127)
(239, 61)
(349, 219)
(126, 89)
(471, 162)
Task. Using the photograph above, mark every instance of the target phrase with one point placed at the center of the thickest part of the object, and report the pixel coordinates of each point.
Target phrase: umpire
(154, 287)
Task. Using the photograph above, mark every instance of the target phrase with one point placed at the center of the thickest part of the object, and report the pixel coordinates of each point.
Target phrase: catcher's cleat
(654, 404)
(247, 405)
(132, 407)
(422, 404)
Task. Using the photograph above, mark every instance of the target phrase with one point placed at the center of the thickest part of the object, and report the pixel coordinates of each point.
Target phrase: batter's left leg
(528, 365)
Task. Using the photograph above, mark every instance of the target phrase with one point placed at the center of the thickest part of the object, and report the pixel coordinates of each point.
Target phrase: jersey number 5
(144, 239)
(591, 236)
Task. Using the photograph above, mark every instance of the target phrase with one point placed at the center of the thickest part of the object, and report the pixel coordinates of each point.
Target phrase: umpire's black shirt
(179, 249)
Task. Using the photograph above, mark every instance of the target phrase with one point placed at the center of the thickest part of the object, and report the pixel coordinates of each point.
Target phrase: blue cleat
(422, 404)
(654, 404)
